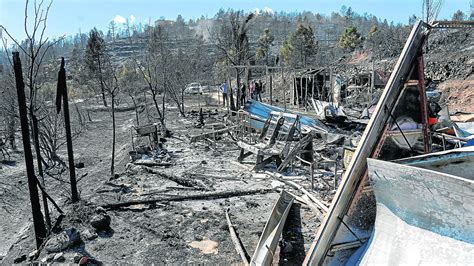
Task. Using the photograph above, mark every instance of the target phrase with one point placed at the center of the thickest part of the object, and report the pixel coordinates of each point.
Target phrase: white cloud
(264, 10)
(119, 19)
(132, 18)
(268, 10)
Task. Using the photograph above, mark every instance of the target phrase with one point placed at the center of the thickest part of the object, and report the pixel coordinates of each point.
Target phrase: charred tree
(38, 222)
(62, 96)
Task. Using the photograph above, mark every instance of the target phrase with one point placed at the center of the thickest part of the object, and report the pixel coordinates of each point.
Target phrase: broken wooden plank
(182, 180)
(211, 134)
(296, 149)
(152, 163)
(205, 196)
(236, 240)
(319, 203)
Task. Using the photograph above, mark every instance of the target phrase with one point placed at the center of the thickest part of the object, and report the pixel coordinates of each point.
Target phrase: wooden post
(306, 92)
(271, 89)
(323, 94)
(372, 84)
(38, 222)
(284, 87)
(331, 84)
(62, 89)
(39, 162)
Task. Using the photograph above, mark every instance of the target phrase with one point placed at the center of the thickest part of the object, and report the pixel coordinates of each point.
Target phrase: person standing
(252, 89)
(258, 90)
(225, 91)
(243, 90)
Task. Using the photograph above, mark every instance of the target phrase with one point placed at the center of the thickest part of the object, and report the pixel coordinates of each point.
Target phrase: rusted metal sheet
(358, 167)
(423, 216)
(271, 233)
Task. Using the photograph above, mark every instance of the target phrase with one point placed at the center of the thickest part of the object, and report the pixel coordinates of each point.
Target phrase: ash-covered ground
(168, 231)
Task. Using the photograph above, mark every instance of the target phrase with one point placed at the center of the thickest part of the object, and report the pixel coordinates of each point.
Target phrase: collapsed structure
(406, 194)
(362, 235)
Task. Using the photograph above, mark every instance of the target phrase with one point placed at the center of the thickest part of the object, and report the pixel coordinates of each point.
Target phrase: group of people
(255, 90)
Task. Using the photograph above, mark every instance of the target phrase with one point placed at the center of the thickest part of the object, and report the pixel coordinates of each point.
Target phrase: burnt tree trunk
(11, 133)
(112, 165)
(62, 89)
(102, 86)
(157, 107)
(38, 222)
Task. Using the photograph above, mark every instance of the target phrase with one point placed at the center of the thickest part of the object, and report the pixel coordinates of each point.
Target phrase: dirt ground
(458, 95)
(164, 232)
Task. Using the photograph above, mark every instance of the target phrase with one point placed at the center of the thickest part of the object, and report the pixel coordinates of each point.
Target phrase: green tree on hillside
(350, 39)
(264, 44)
(95, 58)
(299, 47)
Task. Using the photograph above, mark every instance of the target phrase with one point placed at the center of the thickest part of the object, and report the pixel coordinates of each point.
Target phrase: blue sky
(70, 16)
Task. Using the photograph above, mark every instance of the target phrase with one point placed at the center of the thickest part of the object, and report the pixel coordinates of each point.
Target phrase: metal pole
(38, 222)
(423, 103)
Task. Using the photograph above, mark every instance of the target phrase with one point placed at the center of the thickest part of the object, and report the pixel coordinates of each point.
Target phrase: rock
(84, 260)
(206, 246)
(79, 165)
(77, 257)
(20, 259)
(59, 257)
(89, 235)
(33, 254)
(101, 221)
(100, 210)
(63, 240)
(48, 258)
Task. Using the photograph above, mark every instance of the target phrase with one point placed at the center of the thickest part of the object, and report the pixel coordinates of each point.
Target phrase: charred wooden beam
(62, 94)
(38, 222)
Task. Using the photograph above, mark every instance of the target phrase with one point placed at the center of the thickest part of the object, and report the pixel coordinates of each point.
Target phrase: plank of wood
(212, 133)
(204, 196)
(182, 180)
(236, 240)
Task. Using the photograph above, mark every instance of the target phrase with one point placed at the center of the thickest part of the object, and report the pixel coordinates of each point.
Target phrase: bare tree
(95, 57)
(129, 80)
(232, 41)
(35, 50)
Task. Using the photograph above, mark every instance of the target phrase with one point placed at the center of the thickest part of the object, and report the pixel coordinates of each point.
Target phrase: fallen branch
(319, 203)
(183, 181)
(205, 196)
(236, 240)
(212, 176)
(152, 163)
(48, 196)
